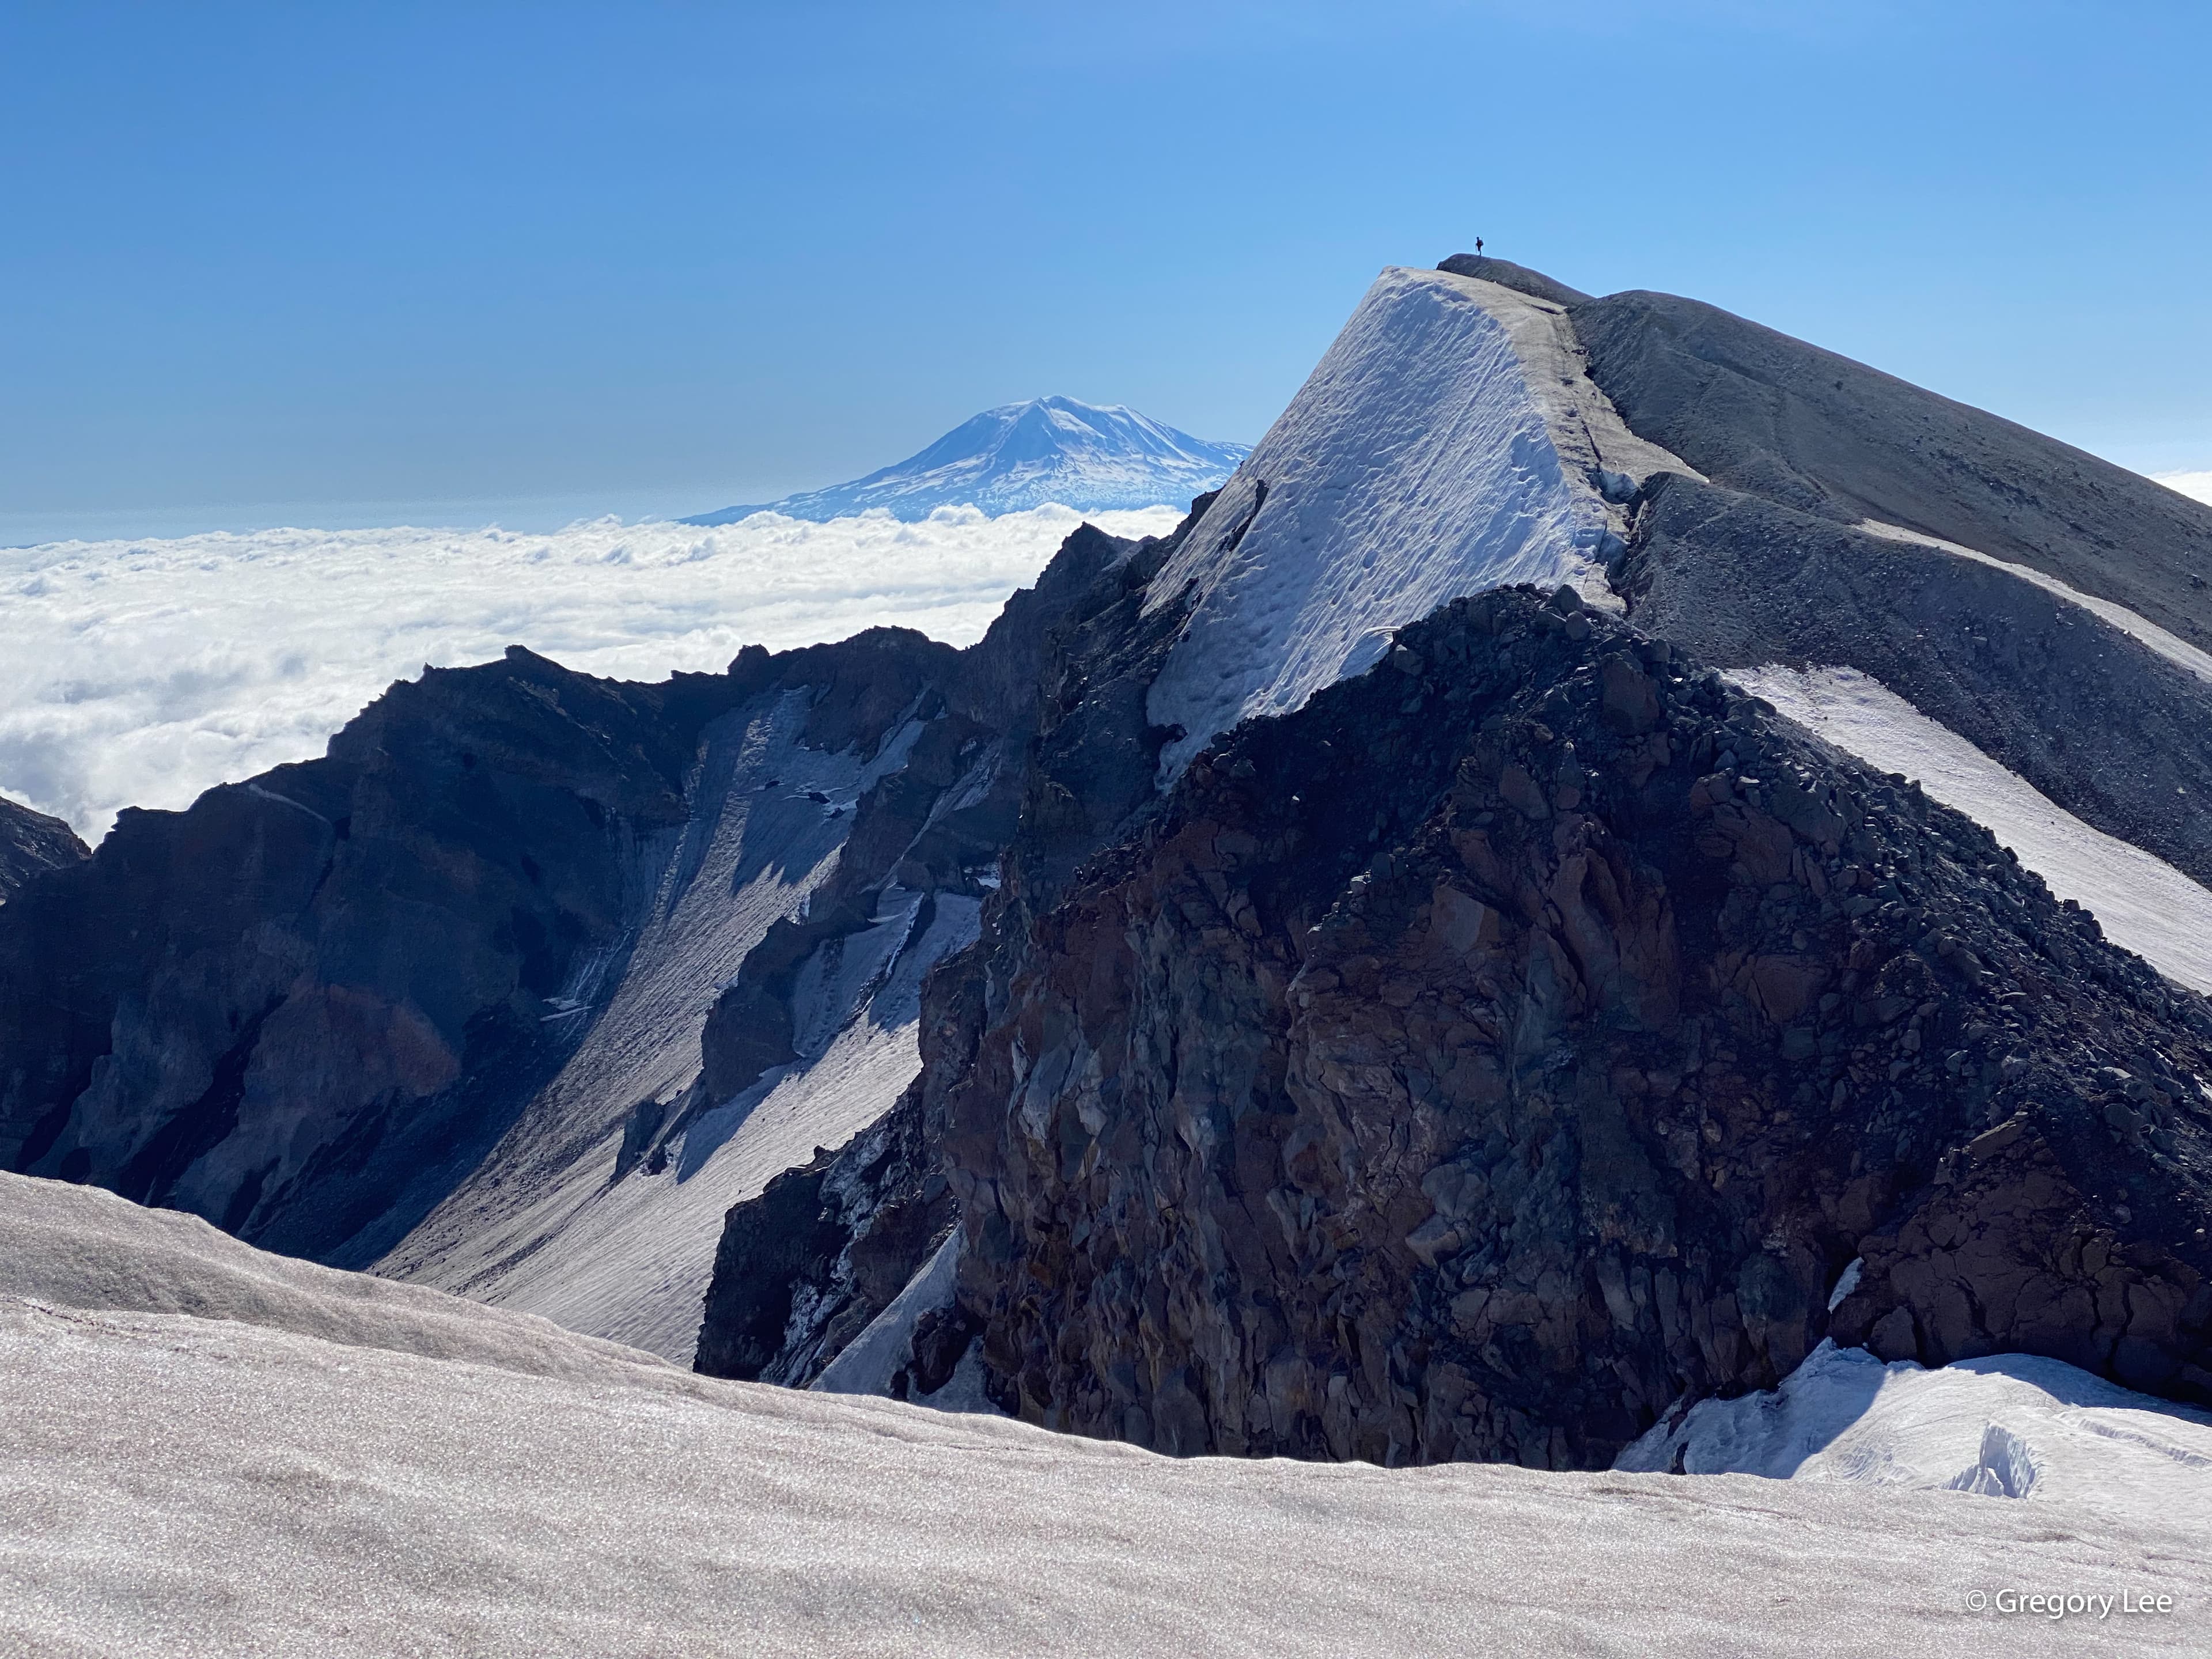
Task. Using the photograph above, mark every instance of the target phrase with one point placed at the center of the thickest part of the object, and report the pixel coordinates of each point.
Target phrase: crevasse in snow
(1447, 443)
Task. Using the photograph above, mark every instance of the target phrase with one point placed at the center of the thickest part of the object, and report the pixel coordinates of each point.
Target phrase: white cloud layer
(141, 672)
(2198, 484)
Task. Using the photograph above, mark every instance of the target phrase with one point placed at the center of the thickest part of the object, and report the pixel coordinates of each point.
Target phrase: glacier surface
(208, 1452)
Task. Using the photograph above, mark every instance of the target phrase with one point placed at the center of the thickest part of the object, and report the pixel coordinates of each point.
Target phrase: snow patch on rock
(870, 1359)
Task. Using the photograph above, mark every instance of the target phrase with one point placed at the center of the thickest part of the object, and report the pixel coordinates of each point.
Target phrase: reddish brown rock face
(1529, 1033)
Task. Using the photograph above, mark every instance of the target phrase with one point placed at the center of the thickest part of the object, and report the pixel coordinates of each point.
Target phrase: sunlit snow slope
(206, 1450)
(2013, 1425)
(551, 1223)
(2142, 902)
(1447, 443)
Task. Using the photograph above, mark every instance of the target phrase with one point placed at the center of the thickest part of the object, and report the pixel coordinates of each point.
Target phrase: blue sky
(340, 260)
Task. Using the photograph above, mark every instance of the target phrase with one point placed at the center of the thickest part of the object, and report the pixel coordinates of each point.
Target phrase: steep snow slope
(1449, 442)
(284, 1478)
(1022, 456)
(2013, 1425)
(551, 1222)
(2142, 902)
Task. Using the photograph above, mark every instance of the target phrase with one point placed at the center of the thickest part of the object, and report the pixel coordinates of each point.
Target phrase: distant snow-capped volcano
(1094, 458)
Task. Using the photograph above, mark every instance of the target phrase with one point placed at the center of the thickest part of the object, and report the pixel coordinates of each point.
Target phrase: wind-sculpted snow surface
(1447, 443)
(268, 1478)
(138, 673)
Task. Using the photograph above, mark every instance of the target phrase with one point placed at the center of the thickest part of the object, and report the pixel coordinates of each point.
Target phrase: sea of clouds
(2198, 484)
(137, 673)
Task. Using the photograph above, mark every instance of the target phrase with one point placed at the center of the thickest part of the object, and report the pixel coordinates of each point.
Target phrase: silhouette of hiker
(1478, 247)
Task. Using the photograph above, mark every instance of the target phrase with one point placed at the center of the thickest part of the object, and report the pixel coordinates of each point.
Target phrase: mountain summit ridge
(1091, 457)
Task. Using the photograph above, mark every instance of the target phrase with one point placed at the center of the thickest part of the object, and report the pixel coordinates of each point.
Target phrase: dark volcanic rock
(284, 1006)
(31, 843)
(1526, 1034)
(1520, 278)
(937, 822)
(1079, 768)
(308, 1008)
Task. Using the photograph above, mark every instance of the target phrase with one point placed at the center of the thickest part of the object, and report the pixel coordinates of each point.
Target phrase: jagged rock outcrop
(288, 1007)
(936, 823)
(487, 998)
(1525, 1035)
(31, 843)
(1511, 1032)
(1082, 770)
(1191, 1206)
(308, 1008)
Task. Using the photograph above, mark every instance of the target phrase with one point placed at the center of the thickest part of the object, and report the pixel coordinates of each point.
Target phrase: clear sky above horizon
(339, 261)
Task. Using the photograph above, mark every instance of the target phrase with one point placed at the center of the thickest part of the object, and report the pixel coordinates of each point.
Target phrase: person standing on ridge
(1478, 247)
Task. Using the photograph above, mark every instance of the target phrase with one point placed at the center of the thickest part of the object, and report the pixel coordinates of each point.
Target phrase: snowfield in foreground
(137, 673)
(208, 1450)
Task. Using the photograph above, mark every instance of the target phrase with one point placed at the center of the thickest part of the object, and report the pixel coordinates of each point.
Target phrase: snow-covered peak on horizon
(1091, 457)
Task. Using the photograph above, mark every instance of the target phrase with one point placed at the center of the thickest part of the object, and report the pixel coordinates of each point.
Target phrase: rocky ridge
(31, 843)
(1524, 1037)
(1802, 1038)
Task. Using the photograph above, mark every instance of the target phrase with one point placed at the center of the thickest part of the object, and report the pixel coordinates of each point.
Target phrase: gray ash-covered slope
(1049, 449)
(1764, 415)
(1625, 1014)
(1769, 559)
(457, 1000)
(31, 843)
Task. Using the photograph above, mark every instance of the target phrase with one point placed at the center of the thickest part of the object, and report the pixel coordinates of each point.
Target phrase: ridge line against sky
(663, 258)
